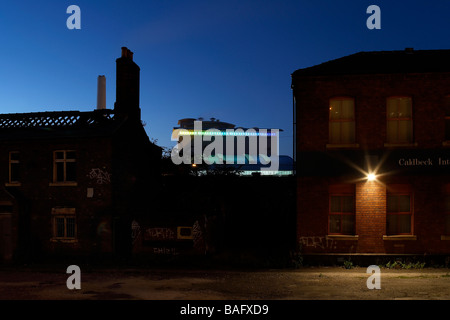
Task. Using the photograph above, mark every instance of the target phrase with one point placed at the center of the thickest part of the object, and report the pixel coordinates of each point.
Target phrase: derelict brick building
(373, 157)
(72, 182)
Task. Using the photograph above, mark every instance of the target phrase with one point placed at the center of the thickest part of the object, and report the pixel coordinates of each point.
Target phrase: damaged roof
(57, 123)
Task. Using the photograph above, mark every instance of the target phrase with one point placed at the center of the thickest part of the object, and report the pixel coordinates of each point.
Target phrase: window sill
(400, 237)
(13, 184)
(342, 145)
(445, 237)
(63, 184)
(394, 145)
(63, 240)
(341, 237)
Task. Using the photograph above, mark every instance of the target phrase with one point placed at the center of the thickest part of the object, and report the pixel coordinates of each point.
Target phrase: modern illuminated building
(372, 152)
(246, 149)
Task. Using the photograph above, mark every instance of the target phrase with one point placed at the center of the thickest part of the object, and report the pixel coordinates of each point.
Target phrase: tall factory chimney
(101, 92)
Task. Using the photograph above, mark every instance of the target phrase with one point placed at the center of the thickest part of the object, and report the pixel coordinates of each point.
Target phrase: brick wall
(370, 216)
(36, 196)
(370, 92)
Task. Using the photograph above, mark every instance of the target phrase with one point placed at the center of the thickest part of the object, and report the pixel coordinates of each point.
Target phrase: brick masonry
(318, 167)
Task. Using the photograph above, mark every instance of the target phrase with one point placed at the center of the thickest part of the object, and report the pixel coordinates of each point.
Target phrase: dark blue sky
(230, 60)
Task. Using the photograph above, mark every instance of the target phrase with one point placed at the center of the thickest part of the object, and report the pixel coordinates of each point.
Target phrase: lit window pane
(347, 132)
(335, 110)
(392, 109)
(391, 131)
(335, 132)
(342, 121)
(347, 109)
(404, 108)
(404, 131)
(399, 124)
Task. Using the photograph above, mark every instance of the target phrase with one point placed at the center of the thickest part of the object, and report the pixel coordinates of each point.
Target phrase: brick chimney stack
(127, 86)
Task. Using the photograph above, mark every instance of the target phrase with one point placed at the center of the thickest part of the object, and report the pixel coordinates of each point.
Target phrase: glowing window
(342, 121)
(399, 120)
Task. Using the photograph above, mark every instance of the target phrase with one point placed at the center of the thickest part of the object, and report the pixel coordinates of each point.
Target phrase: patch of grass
(348, 264)
(398, 264)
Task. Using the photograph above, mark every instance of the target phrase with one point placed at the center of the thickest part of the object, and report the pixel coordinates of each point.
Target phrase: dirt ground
(312, 283)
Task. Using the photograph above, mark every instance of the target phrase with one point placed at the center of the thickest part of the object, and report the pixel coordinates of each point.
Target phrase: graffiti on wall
(318, 242)
(135, 231)
(159, 234)
(197, 235)
(164, 250)
(100, 176)
(167, 240)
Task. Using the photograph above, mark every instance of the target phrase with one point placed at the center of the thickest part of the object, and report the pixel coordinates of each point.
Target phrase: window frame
(11, 162)
(341, 191)
(331, 121)
(65, 160)
(397, 120)
(400, 190)
(63, 213)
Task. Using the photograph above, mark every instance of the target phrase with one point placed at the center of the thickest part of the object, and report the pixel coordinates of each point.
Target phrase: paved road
(324, 283)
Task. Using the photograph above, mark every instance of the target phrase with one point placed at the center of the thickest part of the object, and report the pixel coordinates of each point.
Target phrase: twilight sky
(231, 60)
